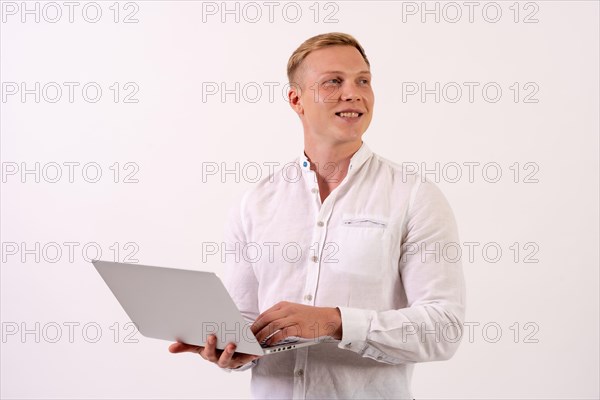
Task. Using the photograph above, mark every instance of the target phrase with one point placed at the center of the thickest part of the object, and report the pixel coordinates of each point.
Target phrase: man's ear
(294, 98)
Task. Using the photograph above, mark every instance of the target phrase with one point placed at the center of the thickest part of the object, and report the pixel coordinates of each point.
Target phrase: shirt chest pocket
(363, 244)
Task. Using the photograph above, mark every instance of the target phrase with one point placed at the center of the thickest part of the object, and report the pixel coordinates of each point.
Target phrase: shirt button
(300, 372)
(314, 190)
(308, 297)
(320, 223)
(348, 345)
(379, 358)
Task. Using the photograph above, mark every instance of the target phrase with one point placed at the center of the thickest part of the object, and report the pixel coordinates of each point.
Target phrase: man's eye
(334, 80)
(364, 81)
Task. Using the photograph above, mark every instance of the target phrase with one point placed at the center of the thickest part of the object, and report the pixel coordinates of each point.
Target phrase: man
(364, 274)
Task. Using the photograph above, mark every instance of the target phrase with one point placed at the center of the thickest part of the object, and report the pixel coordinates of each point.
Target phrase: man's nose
(349, 93)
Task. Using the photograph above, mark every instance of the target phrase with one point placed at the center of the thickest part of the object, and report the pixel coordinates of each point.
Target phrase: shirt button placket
(299, 391)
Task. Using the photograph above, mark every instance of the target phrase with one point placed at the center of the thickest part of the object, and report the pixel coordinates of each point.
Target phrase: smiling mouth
(348, 114)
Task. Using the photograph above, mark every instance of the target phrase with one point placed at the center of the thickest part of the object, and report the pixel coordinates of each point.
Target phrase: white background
(172, 132)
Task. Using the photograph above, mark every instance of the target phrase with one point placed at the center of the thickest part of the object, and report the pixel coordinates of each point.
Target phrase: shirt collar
(357, 160)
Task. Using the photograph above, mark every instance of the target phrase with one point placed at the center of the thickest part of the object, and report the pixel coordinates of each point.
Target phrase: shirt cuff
(241, 368)
(356, 324)
(355, 328)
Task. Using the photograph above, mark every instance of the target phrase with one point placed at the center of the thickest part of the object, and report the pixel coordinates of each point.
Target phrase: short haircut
(319, 42)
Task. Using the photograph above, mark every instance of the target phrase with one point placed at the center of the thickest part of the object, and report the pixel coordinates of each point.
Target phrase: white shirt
(362, 250)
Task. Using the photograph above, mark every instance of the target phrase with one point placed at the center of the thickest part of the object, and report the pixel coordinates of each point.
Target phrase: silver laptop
(185, 306)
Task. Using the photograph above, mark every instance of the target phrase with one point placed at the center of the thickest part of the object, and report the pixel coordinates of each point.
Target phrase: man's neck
(330, 163)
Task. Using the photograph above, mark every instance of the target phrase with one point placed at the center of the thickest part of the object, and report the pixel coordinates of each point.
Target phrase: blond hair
(319, 42)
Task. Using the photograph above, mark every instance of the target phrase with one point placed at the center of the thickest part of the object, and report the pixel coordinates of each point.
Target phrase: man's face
(336, 100)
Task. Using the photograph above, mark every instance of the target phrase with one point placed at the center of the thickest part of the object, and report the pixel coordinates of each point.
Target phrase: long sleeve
(431, 327)
(240, 280)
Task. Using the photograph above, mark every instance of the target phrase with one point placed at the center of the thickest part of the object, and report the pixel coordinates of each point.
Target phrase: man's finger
(268, 331)
(267, 318)
(210, 352)
(272, 328)
(184, 348)
(293, 330)
(226, 355)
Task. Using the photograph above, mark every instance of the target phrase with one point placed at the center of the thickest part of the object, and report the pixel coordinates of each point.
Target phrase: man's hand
(226, 358)
(292, 319)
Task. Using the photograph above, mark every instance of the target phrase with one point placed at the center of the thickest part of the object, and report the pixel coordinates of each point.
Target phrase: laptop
(185, 306)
